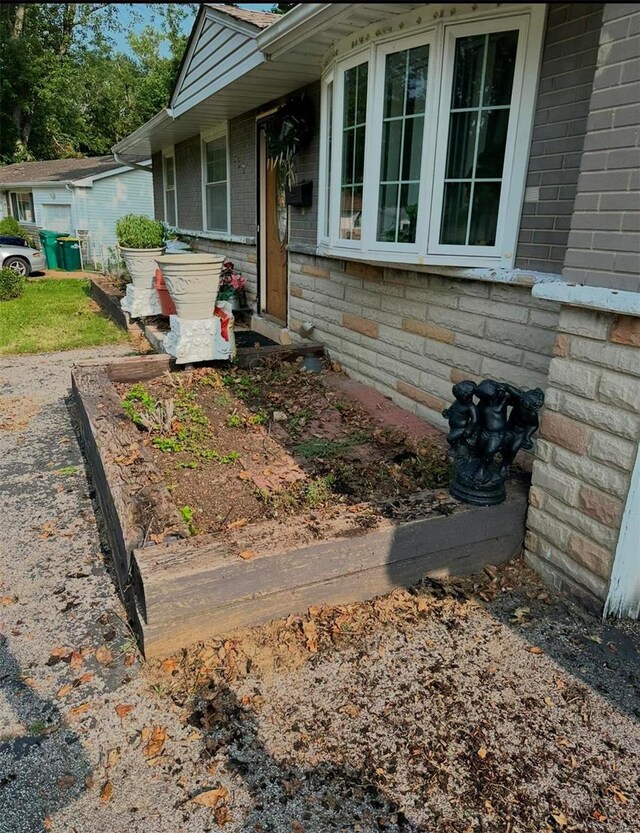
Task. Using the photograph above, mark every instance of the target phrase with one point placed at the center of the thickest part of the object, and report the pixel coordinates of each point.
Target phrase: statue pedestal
(140, 302)
(200, 340)
(484, 490)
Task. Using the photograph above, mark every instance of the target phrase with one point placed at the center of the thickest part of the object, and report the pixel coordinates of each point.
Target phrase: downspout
(128, 164)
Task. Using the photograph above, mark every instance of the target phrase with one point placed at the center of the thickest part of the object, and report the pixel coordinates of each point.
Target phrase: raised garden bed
(235, 496)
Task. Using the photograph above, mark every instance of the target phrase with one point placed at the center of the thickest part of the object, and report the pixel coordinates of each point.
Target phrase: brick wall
(189, 183)
(589, 440)
(566, 78)
(303, 222)
(158, 186)
(242, 159)
(604, 244)
(413, 335)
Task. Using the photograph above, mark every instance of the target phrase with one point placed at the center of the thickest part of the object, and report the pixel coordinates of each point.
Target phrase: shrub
(135, 231)
(10, 227)
(11, 284)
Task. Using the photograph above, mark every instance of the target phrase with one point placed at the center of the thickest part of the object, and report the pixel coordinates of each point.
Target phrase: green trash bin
(49, 240)
(69, 253)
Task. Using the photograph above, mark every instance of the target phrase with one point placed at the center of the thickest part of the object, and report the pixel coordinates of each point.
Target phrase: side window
(170, 210)
(216, 185)
(354, 131)
(405, 95)
(478, 120)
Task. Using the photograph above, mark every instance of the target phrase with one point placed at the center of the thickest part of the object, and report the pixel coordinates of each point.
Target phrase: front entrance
(273, 239)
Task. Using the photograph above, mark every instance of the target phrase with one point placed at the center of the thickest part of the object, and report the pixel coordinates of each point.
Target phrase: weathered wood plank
(168, 636)
(130, 496)
(178, 580)
(250, 357)
(109, 302)
(132, 368)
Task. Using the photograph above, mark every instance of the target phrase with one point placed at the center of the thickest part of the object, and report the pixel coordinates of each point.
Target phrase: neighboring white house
(84, 197)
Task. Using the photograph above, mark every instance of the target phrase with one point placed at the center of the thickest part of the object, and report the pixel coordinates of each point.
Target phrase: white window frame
(441, 36)
(169, 153)
(17, 194)
(206, 137)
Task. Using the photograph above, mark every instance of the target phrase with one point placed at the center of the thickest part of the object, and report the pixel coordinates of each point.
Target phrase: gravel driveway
(465, 707)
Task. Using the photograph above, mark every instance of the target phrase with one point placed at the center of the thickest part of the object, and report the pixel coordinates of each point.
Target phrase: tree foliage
(65, 90)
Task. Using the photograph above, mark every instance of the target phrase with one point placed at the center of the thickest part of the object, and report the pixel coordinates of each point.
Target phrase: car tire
(19, 265)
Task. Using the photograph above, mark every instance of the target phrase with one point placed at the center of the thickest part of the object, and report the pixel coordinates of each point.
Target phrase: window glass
(353, 146)
(479, 116)
(328, 156)
(22, 207)
(216, 184)
(405, 93)
(170, 191)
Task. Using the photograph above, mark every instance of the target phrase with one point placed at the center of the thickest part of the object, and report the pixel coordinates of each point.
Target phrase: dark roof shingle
(259, 19)
(56, 170)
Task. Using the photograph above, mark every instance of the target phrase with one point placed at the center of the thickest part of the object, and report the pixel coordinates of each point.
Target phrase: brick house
(469, 206)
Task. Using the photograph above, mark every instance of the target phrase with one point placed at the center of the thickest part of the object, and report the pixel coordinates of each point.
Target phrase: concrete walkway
(67, 658)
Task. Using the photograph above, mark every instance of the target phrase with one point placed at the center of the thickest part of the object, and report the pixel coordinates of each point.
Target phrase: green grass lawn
(54, 315)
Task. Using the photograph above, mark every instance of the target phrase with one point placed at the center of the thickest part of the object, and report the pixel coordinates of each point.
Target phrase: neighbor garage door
(57, 217)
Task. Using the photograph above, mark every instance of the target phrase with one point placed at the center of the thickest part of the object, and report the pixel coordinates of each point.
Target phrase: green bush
(11, 284)
(10, 227)
(135, 231)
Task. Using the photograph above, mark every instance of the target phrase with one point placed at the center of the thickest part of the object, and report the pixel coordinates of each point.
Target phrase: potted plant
(232, 286)
(141, 241)
(192, 279)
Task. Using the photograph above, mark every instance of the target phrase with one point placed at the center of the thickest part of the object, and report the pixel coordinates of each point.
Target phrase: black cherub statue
(479, 432)
(463, 419)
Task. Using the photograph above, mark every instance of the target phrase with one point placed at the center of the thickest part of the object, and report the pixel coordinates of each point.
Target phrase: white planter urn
(141, 298)
(192, 280)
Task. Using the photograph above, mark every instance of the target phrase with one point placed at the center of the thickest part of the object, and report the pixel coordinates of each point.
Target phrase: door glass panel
(171, 208)
(480, 108)
(403, 126)
(353, 148)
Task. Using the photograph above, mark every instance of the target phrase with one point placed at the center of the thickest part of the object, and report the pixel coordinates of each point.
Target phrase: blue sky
(145, 12)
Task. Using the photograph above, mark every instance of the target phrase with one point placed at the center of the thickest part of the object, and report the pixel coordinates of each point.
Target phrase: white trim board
(623, 598)
(591, 297)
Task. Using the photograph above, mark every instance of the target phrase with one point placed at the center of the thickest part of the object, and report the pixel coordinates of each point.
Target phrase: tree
(64, 88)
(282, 8)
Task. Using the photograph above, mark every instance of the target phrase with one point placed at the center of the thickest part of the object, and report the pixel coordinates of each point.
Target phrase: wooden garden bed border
(185, 589)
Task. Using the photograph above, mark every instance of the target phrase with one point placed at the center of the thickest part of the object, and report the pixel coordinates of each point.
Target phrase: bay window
(215, 181)
(427, 132)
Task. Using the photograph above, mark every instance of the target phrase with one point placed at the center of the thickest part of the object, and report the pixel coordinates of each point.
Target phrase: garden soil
(480, 705)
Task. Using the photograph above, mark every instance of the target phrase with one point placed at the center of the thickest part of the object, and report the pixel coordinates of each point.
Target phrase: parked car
(22, 259)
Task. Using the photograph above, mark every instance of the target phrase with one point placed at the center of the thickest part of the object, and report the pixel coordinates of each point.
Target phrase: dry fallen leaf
(482, 752)
(559, 818)
(8, 600)
(106, 793)
(156, 742)
(535, 650)
(238, 524)
(104, 655)
(128, 459)
(247, 554)
(549, 701)
(311, 636)
(221, 815)
(76, 659)
(78, 710)
(65, 690)
(47, 530)
(86, 678)
(618, 794)
(169, 665)
(123, 709)
(211, 798)
(244, 475)
(113, 757)
(129, 659)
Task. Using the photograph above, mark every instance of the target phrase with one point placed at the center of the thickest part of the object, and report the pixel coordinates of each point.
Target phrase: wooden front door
(275, 248)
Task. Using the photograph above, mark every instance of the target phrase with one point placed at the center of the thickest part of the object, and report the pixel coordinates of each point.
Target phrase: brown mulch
(278, 442)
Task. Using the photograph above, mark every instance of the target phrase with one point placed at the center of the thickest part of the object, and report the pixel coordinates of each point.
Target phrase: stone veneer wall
(412, 335)
(589, 441)
(243, 256)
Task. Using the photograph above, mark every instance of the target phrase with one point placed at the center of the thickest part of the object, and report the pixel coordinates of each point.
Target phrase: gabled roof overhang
(264, 65)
